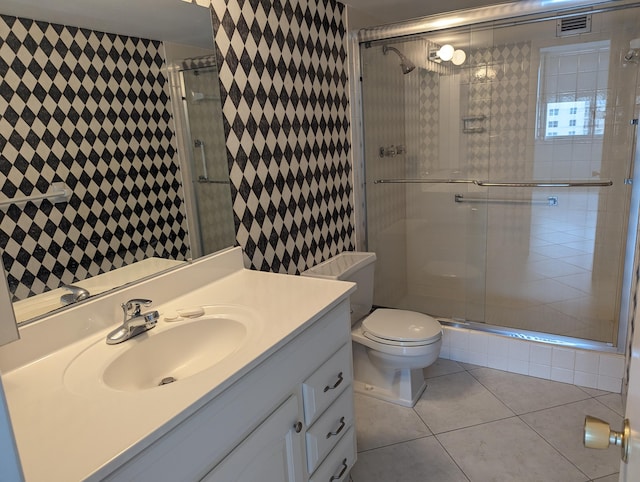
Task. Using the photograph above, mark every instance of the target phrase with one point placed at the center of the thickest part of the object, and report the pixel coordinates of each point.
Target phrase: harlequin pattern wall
(283, 75)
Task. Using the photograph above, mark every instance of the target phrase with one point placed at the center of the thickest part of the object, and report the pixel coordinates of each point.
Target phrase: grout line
(394, 443)
(476, 425)
(452, 458)
(554, 448)
(536, 410)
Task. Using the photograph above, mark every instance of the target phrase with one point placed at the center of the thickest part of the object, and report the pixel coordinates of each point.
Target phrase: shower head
(405, 64)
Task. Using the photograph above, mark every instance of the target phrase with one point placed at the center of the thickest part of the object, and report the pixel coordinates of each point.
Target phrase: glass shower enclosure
(499, 165)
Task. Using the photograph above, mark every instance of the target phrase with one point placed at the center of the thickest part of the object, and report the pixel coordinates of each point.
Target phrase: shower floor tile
(489, 426)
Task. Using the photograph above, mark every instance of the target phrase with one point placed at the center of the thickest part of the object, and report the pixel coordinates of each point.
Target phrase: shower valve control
(391, 151)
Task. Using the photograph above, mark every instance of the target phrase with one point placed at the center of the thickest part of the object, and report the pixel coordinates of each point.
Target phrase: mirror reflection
(112, 159)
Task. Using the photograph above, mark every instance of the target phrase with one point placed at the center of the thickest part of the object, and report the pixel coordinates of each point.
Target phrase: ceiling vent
(573, 25)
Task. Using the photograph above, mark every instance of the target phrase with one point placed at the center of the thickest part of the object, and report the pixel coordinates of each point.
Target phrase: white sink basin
(169, 353)
(174, 354)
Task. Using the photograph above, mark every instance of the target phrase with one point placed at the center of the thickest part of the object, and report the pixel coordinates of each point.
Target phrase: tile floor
(478, 424)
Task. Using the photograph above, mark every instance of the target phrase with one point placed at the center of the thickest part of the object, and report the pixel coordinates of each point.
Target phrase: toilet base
(400, 386)
(388, 395)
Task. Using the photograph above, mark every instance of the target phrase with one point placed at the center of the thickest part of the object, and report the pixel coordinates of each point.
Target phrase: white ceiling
(170, 20)
(379, 12)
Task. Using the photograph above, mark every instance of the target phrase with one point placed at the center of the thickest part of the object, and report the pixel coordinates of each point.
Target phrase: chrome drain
(166, 381)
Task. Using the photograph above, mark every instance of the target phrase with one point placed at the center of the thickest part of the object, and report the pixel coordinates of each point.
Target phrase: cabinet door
(272, 452)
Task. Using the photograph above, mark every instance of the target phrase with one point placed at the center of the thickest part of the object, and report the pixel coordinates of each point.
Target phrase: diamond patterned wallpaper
(91, 110)
(283, 76)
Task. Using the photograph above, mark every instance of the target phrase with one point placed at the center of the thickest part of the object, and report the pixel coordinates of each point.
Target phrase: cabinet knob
(598, 435)
(297, 426)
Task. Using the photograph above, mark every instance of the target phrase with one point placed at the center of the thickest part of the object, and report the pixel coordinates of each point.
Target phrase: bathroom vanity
(274, 404)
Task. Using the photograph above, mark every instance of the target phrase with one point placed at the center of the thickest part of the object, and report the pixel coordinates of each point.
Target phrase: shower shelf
(601, 183)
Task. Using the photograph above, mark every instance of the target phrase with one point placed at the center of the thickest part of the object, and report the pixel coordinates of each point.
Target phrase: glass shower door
(498, 209)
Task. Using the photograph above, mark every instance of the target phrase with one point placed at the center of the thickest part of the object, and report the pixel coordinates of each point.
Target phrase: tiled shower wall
(283, 76)
(384, 88)
(91, 110)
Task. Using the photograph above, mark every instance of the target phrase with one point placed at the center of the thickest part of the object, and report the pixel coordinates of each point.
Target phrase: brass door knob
(598, 435)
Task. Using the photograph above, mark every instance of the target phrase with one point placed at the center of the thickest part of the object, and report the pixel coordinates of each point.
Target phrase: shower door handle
(205, 175)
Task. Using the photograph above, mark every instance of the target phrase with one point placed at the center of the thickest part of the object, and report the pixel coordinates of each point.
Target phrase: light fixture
(458, 57)
(448, 53)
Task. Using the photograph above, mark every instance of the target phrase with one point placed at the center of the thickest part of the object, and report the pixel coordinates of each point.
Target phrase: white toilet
(390, 347)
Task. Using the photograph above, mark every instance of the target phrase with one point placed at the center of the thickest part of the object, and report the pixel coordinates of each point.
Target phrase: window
(562, 109)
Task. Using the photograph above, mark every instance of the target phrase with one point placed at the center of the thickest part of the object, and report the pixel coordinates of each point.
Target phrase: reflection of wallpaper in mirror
(91, 110)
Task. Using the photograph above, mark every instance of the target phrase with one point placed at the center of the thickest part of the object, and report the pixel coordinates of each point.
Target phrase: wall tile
(539, 362)
(563, 358)
(540, 354)
(611, 365)
(587, 362)
(562, 375)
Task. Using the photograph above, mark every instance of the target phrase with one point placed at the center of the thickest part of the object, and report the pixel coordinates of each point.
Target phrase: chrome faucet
(134, 322)
(77, 294)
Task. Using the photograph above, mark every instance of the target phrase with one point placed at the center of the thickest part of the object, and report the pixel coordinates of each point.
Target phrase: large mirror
(112, 154)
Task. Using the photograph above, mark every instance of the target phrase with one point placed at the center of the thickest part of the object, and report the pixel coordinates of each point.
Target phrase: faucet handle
(132, 307)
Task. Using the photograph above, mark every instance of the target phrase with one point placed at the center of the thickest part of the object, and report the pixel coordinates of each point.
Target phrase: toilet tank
(355, 267)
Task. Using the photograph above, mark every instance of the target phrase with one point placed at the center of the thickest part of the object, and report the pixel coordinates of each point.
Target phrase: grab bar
(459, 198)
(205, 174)
(425, 181)
(213, 181)
(57, 193)
(604, 183)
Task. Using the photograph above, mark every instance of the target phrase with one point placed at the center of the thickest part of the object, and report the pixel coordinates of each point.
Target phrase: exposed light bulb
(446, 52)
(458, 57)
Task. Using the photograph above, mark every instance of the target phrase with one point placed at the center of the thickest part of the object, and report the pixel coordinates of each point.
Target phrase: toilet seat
(401, 328)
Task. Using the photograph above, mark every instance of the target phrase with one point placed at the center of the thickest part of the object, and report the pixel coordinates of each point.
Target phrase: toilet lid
(401, 326)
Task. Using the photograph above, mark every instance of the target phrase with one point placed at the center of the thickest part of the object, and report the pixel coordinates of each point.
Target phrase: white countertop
(63, 435)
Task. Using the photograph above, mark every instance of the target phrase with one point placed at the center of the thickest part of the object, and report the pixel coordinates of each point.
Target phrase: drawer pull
(297, 427)
(335, 385)
(344, 469)
(342, 425)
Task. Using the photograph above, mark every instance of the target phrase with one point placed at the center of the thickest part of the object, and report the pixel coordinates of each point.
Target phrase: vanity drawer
(339, 463)
(330, 427)
(326, 383)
